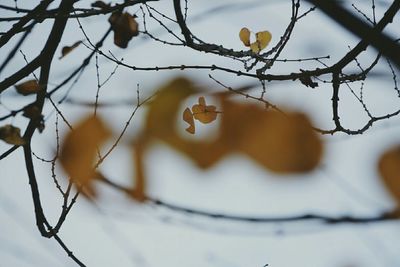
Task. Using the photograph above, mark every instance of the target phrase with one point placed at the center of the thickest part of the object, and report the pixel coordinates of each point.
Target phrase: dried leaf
(67, 49)
(28, 87)
(31, 111)
(389, 169)
(11, 135)
(101, 5)
(244, 36)
(79, 150)
(188, 117)
(262, 40)
(125, 27)
(204, 113)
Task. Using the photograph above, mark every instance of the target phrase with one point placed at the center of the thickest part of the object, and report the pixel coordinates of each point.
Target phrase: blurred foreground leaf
(79, 150)
(281, 143)
(389, 169)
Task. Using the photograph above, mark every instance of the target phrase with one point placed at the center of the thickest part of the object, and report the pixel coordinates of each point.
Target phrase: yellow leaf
(188, 117)
(11, 135)
(244, 36)
(125, 27)
(28, 87)
(262, 40)
(68, 49)
(389, 169)
(204, 113)
(79, 150)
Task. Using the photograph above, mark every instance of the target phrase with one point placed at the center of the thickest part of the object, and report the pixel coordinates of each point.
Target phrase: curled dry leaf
(244, 36)
(79, 150)
(11, 135)
(125, 27)
(68, 49)
(188, 117)
(389, 170)
(28, 87)
(204, 113)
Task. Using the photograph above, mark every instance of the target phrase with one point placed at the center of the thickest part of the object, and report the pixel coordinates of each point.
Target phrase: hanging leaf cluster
(125, 28)
(201, 112)
(262, 39)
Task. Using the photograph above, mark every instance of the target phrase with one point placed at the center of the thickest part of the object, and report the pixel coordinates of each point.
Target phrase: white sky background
(117, 232)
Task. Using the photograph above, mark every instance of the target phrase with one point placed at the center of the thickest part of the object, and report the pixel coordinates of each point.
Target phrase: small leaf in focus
(11, 135)
(262, 40)
(389, 169)
(125, 27)
(188, 117)
(28, 87)
(79, 150)
(244, 36)
(204, 113)
(67, 49)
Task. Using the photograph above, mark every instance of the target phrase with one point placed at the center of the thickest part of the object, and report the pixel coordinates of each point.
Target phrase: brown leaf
(101, 5)
(389, 169)
(306, 80)
(67, 49)
(125, 27)
(28, 87)
(31, 111)
(188, 117)
(204, 113)
(11, 135)
(79, 150)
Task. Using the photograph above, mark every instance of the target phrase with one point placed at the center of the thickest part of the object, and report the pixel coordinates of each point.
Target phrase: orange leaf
(79, 150)
(188, 117)
(389, 169)
(28, 87)
(204, 113)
